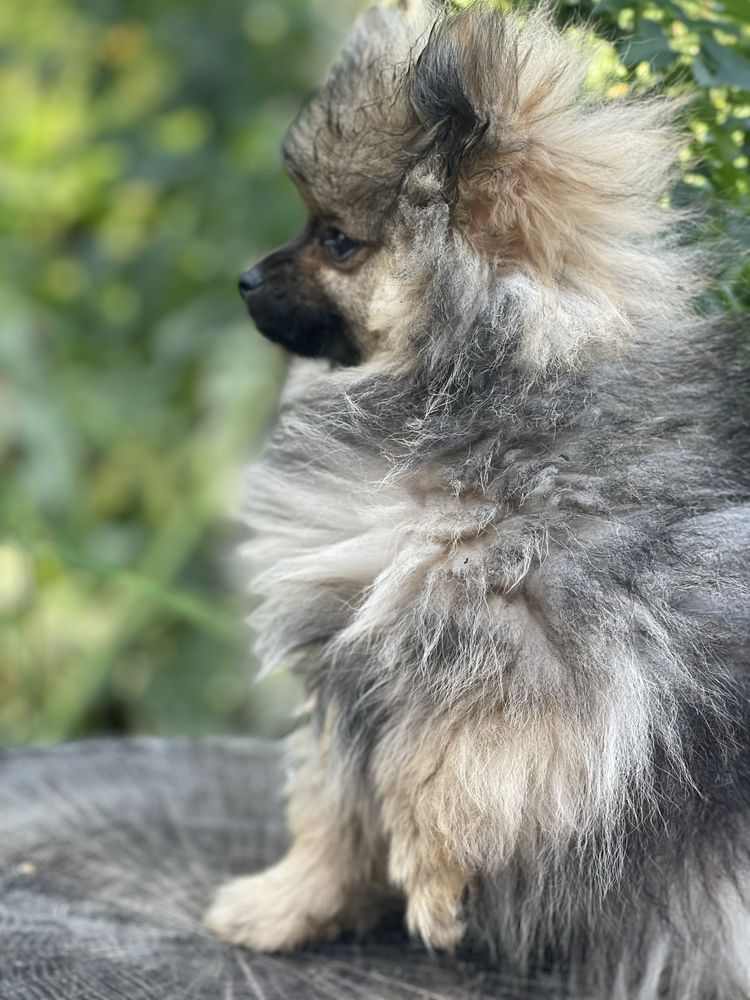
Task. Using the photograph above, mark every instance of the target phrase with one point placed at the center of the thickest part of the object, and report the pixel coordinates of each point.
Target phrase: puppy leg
(319, 887)
(421, 804)
(434, 884)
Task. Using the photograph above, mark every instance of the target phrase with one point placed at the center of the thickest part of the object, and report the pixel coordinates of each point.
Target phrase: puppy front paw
(435, 917)
(268, 912)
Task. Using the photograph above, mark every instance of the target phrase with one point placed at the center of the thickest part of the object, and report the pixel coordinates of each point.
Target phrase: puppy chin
(310, 333)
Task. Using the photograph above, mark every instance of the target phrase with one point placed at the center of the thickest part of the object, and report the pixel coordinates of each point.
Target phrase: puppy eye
(340, 247)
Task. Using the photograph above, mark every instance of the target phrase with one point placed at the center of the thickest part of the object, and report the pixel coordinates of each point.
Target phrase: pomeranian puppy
(503, 525)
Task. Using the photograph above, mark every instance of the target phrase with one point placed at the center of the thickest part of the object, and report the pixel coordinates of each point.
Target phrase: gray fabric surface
(109, 853)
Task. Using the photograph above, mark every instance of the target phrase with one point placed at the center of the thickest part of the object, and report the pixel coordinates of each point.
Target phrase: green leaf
(726, 66)
(649, 44)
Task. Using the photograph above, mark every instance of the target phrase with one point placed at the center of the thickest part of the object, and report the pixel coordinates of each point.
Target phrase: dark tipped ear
(453, 125)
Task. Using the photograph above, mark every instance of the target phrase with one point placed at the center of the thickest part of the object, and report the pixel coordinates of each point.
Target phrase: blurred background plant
(139, 171)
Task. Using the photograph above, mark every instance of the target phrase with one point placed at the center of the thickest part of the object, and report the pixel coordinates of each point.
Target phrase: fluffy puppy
(503, 525)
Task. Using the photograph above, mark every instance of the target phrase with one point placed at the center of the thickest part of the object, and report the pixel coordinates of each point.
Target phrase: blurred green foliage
(139, 171)
(698, 49)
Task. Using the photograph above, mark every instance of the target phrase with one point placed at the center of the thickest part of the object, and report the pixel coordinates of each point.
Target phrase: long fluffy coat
(509, 551)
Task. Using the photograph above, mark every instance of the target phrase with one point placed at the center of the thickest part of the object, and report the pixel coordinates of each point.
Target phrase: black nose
(250, 281)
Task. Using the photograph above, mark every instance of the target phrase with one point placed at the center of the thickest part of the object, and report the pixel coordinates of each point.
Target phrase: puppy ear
(452, 125)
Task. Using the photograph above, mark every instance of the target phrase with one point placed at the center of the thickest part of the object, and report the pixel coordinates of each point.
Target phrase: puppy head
(458, 176)
(346, 154)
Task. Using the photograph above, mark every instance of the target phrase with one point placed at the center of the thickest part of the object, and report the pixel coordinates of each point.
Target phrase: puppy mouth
(308, 329)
